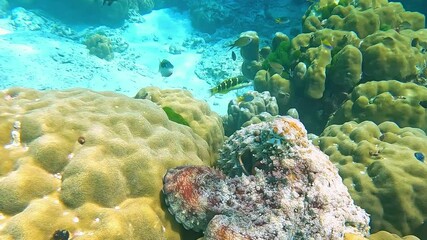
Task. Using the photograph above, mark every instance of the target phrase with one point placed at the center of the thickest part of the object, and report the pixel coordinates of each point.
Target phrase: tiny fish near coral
(230, 84)
(165, 68)
(276, 67)
(233, 56)
(241, 42)
(282, 20)
(247, 97)
(419, 156)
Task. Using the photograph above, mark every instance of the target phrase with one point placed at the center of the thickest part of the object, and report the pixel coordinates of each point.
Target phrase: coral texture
(343, 43)
(384, 169)
(402, 103)
(143, 6)
(279, 186)
(363, 17)
(394, 55)
(100, 46)
(252, 107)
(383, 235)
(204, 122)
(208, 15)
(91, 163)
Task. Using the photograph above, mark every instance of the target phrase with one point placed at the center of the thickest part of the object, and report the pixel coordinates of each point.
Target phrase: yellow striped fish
(230, 84)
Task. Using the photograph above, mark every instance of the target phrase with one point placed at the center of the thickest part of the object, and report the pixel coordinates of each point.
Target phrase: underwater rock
(278, 186)
(207, 16)
(26, 20)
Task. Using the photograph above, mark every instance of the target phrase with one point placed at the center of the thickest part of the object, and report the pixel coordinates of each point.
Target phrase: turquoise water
(79, 164)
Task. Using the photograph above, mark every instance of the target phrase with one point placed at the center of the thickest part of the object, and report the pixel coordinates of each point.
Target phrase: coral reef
(283, 188)
(363, 17)
(204, 122)
(318, 69)
(380, 101)
(326, 61)
(344, 43)
(394, 55)
(384, 170)
(252, 107)
(100, 46)
(90, 163)
(383, 235)
(250, 55)
(208, 15)
(143, 6)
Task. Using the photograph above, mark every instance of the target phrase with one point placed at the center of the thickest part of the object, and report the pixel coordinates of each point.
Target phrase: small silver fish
(165, 68)
(233, 56)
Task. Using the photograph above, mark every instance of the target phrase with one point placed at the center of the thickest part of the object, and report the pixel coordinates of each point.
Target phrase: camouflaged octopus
(271, 183)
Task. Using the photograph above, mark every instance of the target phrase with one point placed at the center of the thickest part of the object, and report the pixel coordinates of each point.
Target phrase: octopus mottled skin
(272, 183)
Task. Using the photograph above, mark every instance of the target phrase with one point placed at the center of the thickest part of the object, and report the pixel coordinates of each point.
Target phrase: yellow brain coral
(384, 169)
(91, 163)
(204, 122)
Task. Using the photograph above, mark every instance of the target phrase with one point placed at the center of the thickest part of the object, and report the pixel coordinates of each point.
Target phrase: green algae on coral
(175, 117)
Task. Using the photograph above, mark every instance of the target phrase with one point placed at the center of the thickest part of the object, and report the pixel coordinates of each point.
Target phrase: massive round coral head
(88, 162)
(185, 190)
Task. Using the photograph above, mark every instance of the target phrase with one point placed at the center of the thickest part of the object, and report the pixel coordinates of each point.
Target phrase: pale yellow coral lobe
(108, 187)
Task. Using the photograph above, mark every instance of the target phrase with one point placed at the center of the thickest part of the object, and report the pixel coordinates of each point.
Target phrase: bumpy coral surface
(204, 122)
(291, 190)
(391, 55)
(384, 168)
(208, 15)
(364, 17)
(100, 46)
(383, 235)
(343, 43)
(403, 103)
(334, 49)
(251, 107)
(87, 162)
(143, 6)
(387, 54)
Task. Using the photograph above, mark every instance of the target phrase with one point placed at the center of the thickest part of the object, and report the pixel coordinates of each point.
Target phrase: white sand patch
(4, 31)
(44, 61)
